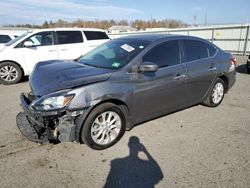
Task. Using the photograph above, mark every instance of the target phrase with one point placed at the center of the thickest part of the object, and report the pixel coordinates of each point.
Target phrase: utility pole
(151, 21)
(205, 18)
(194, 20)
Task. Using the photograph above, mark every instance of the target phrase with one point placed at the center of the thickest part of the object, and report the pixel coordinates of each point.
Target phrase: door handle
(212, 69)
(51, 50)
(179, 76)
(64, 49)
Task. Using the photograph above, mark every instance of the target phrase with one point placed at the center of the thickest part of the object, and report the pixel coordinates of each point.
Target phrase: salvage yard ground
(195, 147)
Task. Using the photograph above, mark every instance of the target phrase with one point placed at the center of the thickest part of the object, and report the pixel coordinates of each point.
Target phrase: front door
(162, 91)
(43, 49)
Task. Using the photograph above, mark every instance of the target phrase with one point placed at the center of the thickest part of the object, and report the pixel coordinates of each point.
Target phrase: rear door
(201, 68)
(70, 44)
(94, 39)
(164, 90)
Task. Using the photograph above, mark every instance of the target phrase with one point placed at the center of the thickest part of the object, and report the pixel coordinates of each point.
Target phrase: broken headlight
(52, 102)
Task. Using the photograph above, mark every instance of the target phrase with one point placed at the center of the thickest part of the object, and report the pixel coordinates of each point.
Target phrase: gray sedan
(122, 83)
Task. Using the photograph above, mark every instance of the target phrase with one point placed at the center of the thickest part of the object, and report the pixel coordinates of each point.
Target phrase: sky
(38, 11)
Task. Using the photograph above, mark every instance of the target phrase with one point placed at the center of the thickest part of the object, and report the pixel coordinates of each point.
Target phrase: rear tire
(248, 65)
(104, 126)
(10, 73)
(248, 69)
(216, 94)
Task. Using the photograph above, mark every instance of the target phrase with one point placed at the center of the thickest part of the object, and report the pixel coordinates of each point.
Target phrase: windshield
(16, 39)
(113, 54)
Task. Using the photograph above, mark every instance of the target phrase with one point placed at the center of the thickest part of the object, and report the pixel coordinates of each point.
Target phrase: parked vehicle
(8, 34)
(248, 65)
(121, 83)
(4, 37)
(20, 55)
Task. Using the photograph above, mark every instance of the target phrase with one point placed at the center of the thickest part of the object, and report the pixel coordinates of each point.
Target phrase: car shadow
(133, 171)
(23, 80)
(241, 69)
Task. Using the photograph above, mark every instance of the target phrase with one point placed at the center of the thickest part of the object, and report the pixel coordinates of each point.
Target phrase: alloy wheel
(106, 128)
(218, 92)
(8, 73)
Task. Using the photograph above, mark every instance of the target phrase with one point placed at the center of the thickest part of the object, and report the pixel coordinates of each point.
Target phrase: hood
(55, 75)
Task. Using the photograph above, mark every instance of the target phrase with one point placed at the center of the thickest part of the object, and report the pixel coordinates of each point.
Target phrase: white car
(6, 37)
(19, 56)
(8, 34)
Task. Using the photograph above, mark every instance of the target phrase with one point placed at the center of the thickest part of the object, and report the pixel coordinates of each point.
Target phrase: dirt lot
(196, 147)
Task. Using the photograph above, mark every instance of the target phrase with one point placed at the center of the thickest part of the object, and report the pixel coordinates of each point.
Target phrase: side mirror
(148, 67)
(28, 44)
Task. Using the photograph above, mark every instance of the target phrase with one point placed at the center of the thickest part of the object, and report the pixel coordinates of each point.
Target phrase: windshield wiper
(78, 59)
(92, 65)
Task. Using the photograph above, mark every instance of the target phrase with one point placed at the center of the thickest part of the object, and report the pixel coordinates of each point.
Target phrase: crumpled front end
(48, 126)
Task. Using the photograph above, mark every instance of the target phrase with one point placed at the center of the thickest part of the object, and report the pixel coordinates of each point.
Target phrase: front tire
(104, 126)
(216, 94)
(10, 73)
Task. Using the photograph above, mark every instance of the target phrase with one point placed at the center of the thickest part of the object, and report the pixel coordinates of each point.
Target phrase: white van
(19, 56)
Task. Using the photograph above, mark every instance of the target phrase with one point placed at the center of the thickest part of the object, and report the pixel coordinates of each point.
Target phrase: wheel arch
(123, 106)
(11, 61)
(81, 120)
(225, 80)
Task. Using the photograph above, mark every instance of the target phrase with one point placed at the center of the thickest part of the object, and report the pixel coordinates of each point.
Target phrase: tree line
(105, 24)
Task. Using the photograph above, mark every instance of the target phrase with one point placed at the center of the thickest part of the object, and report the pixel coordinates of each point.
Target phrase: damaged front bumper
(49, 126)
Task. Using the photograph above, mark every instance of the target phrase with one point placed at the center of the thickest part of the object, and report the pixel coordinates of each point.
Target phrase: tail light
(233, 61)
(233, 64)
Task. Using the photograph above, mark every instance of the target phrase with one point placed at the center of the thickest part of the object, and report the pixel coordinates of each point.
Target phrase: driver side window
(165, 54)
(41, 39)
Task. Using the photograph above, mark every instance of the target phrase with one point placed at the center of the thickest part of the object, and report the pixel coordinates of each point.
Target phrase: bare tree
(105, 24)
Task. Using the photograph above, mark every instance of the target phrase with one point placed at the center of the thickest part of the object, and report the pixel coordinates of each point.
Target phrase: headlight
(52, 102)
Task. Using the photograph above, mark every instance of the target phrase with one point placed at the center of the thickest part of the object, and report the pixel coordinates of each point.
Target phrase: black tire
(248, 65)
(86, 129)
(248, 69)
(209, 101)
(18, 73)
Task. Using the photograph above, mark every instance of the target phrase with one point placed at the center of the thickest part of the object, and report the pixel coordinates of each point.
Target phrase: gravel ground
(195, 147)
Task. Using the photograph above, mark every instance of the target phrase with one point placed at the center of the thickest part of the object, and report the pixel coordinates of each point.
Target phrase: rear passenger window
(211, 50)
(197, 50)
(164, 55)
(4, 38)
(95, 35)
(69, 37)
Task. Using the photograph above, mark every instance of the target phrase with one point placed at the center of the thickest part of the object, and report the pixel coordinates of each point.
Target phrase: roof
(146, 37)
(70, 28)
(155, 37)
